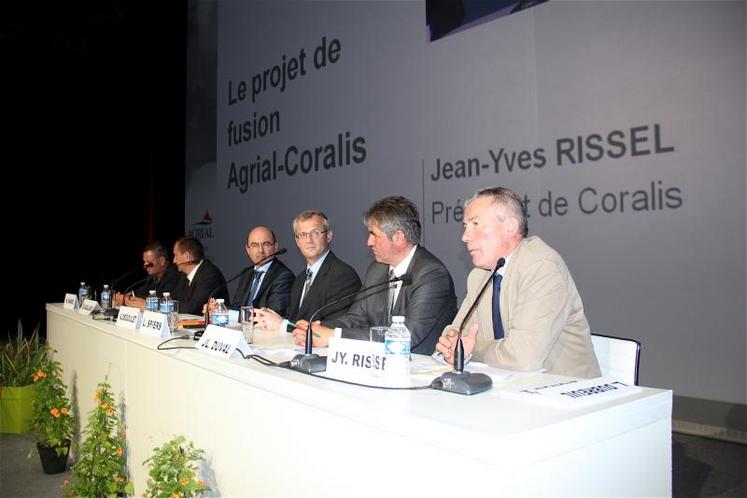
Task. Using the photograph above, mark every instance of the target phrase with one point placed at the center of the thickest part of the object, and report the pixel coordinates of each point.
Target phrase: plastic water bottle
(397, 349)
(167, 308)
(106, 298)
(219, 316)
(151, 302)
(82, 292)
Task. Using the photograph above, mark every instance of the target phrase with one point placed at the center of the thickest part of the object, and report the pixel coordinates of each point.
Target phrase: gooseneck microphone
(459, 381)
(311, 363)
(129, 272)
(242, 272)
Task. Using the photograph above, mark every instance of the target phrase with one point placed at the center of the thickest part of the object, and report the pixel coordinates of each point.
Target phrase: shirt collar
(401, 268)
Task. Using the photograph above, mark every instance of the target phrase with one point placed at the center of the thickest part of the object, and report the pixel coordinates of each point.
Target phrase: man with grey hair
(325, 279)
(428, 302)
(533, 317)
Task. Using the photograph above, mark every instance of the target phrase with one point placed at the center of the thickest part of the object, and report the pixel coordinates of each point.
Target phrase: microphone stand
(458, 381)
(309, 362)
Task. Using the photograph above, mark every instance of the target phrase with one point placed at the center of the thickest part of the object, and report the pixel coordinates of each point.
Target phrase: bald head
(260, 243)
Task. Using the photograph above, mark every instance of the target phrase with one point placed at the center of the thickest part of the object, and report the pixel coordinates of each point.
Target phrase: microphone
(459, 381)
(212, 293)
(311, 363)
(129, 272)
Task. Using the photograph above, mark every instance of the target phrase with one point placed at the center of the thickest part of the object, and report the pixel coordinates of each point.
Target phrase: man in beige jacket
(542, 322)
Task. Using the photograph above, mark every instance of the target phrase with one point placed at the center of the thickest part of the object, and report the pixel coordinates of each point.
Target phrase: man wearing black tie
(269, 283)
(325, 278)
(200, 276)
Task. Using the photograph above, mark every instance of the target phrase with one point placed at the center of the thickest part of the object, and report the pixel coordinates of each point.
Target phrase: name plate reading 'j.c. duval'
(223, 342)
(88, 307)
(129, 318)
(71, 302)
(355, 360)
(155, 324)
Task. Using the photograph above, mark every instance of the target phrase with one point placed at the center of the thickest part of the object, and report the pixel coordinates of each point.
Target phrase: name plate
(71, 302)
(355, 360)
(129, 318)
(88, 307)
(155, 324)
(223, 343)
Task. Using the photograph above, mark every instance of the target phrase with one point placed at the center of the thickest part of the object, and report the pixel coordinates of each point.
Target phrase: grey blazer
(428, 303)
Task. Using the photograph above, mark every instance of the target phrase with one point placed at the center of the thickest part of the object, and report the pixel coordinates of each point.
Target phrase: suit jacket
(274, 293)
(193, 296)
(169, 281)
(541, 311)
(428, 303)
(334, 280)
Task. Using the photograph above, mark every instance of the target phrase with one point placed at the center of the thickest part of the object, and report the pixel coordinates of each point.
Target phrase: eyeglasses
(315, 233)
(255, 245)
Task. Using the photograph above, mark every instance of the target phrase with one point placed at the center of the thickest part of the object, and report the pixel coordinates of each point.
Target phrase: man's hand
(267, 319)
(319, 335)
(447, 342)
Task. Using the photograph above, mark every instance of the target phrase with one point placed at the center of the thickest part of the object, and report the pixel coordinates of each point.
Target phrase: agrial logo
(203, 229)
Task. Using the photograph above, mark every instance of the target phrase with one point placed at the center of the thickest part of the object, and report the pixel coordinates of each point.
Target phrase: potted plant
(19, 360)
(100, 469)
(52, 421)
(174, 470)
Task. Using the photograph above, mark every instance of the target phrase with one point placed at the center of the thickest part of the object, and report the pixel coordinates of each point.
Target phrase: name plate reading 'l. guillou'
(88, 307)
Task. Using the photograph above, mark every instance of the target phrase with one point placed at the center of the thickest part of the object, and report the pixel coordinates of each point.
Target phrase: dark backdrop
(93, 106)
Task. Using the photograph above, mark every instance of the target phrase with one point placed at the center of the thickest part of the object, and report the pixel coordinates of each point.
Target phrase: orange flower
(39, 375)
(175, 458)
(55, 412)
(184, 481)
(110, 412)
(103, 406)
(120, 451)
(64, 410)
(65, 482)
(120, 479)
(201, 484)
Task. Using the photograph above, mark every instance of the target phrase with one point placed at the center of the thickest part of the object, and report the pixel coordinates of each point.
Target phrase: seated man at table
(269, 282)
(532, 317)
(324, 280)
(200, 278)
(162, 277)
(428, 302)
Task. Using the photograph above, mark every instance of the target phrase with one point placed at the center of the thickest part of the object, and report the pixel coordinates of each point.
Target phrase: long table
(273, 432)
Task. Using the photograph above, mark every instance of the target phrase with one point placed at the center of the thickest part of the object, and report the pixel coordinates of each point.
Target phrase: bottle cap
(166, 294)
(152, 293)
(219, 300)
(398, 318)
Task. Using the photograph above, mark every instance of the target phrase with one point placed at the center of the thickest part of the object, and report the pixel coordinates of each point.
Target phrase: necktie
(307, 285)
(390, 298)
(255, 288)
(497, 325)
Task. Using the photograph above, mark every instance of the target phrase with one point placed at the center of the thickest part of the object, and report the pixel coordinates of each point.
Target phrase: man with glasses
(269, 283)
(324, 280)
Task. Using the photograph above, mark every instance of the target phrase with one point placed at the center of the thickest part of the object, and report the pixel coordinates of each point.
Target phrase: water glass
(246, 316)
(174, 317)
(376, 334)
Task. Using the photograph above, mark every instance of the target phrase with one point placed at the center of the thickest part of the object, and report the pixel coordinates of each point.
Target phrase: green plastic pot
(16, 408)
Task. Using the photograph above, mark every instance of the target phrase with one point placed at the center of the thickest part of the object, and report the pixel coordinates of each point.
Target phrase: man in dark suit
(269, 283)
(428, 303)
(324, 280)
(199, 277)
(162, 276)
